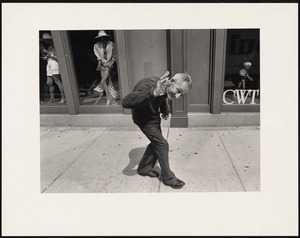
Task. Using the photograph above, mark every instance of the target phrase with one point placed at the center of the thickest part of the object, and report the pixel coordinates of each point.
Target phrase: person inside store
(52, 68)
(105, 51)
(149, 104)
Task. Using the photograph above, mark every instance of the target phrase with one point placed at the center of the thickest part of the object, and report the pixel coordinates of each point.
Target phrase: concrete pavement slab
(243, 147)
(109, 165)
(199, 158)
(93, 159)
(44, 131)
(59, 148)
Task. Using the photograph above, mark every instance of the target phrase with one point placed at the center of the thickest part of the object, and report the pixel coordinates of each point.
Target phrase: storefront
(215, 59)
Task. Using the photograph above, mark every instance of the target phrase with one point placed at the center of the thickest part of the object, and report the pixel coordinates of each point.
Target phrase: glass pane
(242, 68)
(51, 86)
(95, 59)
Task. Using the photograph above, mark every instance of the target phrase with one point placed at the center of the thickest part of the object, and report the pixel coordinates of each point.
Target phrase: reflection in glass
(242, 77)
(51, 87)
(95, 59)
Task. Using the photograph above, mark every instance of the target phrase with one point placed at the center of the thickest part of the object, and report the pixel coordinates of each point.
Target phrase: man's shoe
(177, 184)
(151, 174)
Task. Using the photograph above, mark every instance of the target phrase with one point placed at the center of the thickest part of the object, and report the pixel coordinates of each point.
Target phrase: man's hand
(160, 88)
(165, 75)
(164, 116)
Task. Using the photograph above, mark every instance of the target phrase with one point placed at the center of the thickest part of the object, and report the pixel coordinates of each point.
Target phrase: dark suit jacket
(145, 107)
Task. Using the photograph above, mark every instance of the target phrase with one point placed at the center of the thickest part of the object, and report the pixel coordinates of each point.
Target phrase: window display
(242, 69)
(95, 60)
(51, 86)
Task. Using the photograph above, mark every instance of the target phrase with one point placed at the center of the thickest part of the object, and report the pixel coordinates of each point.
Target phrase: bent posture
(148, 102)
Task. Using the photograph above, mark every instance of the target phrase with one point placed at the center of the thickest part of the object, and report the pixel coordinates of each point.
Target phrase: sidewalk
(105, 159)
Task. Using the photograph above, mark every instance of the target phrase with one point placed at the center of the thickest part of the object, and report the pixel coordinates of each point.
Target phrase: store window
(242, 68)
(51, 86)
(95, 60)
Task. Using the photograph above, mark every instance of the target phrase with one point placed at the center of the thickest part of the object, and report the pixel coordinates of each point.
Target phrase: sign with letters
(241, 95)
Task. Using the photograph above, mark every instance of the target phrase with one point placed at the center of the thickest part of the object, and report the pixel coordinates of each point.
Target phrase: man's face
(176, 87)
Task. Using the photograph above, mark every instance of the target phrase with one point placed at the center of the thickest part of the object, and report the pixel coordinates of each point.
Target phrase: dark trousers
(158, 149)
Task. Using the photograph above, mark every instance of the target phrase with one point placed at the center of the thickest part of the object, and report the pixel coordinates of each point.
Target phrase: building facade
(214, 59)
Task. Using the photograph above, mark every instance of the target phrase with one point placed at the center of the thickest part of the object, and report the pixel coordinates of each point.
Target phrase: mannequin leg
(104, 77)
(57, 80)
(244, 85)
(51, 88)
(110, 81)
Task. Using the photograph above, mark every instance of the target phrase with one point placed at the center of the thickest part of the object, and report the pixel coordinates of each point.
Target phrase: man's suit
(146, 111)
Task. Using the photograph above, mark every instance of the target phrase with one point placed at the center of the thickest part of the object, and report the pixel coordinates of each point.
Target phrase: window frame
(68, 74)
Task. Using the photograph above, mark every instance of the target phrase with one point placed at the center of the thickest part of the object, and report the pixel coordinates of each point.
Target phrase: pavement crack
(232, 162)
(49, 133)
(73, 161)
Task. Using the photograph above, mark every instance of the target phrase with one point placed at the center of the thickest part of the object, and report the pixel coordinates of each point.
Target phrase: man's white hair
(185, 77)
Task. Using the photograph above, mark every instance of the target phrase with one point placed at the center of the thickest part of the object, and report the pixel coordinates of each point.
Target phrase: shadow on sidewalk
(135, 155)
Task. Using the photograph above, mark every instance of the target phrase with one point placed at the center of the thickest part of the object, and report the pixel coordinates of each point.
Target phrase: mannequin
(52, 68)
(104, 50)
(244, 73)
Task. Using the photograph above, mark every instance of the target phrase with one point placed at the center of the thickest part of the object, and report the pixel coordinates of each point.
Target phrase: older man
(148, 102)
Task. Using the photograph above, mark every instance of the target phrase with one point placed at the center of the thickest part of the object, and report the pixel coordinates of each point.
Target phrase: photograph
(182, 110)
(149, 119)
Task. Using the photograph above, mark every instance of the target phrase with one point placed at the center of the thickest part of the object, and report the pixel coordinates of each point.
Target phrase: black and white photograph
(182, 106)
(145, 113)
